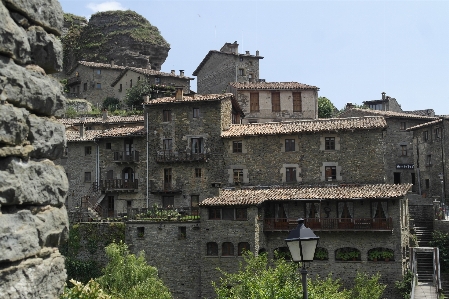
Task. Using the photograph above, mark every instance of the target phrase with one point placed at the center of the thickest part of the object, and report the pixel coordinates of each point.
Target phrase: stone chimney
(81, 130)
(181, 73)
(112, 62)
(383, 95)
(172, 72)
(179, 93)
(247, 52)
(105, 114)
(257, 53)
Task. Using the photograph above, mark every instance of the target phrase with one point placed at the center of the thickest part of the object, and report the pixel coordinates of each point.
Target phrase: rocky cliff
(123, 36)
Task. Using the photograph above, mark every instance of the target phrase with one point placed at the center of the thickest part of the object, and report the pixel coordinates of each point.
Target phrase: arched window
(243, 246)
(282, 252)
(212, 249)
(347, 254)
(227, 249)
(380, 254)
(321, 254)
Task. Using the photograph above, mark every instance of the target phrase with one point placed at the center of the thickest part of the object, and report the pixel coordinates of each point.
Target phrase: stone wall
(33, 218)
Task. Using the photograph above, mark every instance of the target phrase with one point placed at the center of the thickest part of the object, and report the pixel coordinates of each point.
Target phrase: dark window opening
(397, 178)
(197, 172)
(108, 145)
(330, 172)
(275, 102)
(227, 214)
(87, 177)
(237, 146)
(289, 145)
(196, 112)
(140, 232)
(168, 202)
(87, 150)
(290, 174)
(238, 175)
(227, 249)
(212, 249)
(214, 213)
(197, 145)
(166, 115)
(329, 143)
(241, 214)
(242, 247)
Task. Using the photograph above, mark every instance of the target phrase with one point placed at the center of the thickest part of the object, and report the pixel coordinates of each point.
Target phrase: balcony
(164, 187)
(173, 157)
(126, 157)
(330, 224)
(118, 185)
(73, 81)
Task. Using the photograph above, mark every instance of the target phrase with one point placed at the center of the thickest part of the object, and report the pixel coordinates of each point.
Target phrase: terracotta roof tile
(100, 120)
(90, 135)
(271, 85)
(258, 196)
(196, 98)
(386, 113)
(431, 123)
(306, 126)
(211, 52)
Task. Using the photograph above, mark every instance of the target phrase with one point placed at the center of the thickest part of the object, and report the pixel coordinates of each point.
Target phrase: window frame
(87, 177)
(242, 247)
(241, 214)
(254, 102)
(290, 175)
(425, 136)
(98, 86)
(237, 146)
(333, 171)
(198, 173)
(237, 173)
(85, 87)
(98, 71)
(297, 101)
(211, 249)
(290, 145)
(275, 101)
(429, 160)
(227, 249)
(197, 145)
(166, 115)
(403, 126)
(404, 150)
(168, 201)
(168, 177)
(108, 145)
(437, 133)
(196, 113)
(167, 144)
(87, 150)
(214, 213)
(329, 143)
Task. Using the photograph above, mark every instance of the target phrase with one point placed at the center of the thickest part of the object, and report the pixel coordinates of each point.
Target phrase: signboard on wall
(405, 166)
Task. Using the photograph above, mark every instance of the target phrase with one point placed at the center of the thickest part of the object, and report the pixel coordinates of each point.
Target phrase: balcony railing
(129, 157)
(119, 185)
(73, 81)
(170, 157)
(330, 224)
(165, 187)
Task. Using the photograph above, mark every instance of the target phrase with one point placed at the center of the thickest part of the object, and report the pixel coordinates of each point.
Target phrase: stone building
(430, 143)
(184, 146)
(275, 101)
(33, 218)
(399, 160)
(96, 81)
(219, 68)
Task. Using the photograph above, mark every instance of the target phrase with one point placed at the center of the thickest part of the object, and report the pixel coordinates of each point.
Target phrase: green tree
(135, 94)
(129, 276)
(90, 290)
(111, 104)
(325, 108)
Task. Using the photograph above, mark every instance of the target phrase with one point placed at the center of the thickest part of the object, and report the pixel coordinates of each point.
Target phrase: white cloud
(105, 6)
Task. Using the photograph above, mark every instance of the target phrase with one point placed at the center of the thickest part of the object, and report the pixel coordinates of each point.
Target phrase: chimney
(105, 114)
(81, 130)
(179, 93)
(247, 52)
(181, 73)
(172, 72)
(383, 95)
(112, 62)
(257, 53)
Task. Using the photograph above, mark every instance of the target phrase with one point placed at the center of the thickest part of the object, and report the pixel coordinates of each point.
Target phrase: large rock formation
(123, 36)
(33, 219)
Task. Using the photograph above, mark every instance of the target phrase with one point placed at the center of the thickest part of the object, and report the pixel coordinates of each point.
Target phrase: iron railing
(171, 156)
(132, 156)
(118, 185)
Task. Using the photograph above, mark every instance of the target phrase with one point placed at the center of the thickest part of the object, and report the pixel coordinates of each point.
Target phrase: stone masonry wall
(33, 218)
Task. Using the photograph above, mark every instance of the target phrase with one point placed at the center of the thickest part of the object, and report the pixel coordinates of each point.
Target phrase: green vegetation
(404, 286)
(135, 94)
(321, 254)
(259, 278)
(346, 254)
(325, 108)
(111, 104)
(441, 240)
(380, 253)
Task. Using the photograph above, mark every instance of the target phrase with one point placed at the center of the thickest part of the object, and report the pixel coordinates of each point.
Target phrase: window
(289, 145)
(140, 232)
(329, 143)
(197, 172)
(196, 112)
(275, 101)
(166, 115)
(241, 72)
(227, 249)
(254, 102)
(194, 204)
(242, 247)
(197, 145)
(98, 71)
(157, 80)
(241, 58)
(403, 125)
(437, 133)
(238, 175)
(241, 214)
(110, 174)
(182, 232)
(237, 146)
(120, 88)
(215, 213)
(138, 78)
(330, 172)
(66, 151)
(87, 150)
(87, 177)
(98, 85)
(403, 150)
(167, 145)
(297, 102)
(168, 202)
(290, 174)
(427, 183)
(130, 83)
(227, 214)
(108, 145)
(425, 136)
(428, 160)
(85, 86)
(212, 249)
(167, 177)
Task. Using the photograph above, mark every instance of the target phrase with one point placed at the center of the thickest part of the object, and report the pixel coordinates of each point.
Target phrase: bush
(111, 104)
(404, 286)
(91, 290)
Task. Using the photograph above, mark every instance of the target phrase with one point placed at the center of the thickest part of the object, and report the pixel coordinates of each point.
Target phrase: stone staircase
(425, 266)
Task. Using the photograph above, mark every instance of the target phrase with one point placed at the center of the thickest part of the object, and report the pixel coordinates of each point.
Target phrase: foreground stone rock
(13, 127)
(45, 49)
(47, 137)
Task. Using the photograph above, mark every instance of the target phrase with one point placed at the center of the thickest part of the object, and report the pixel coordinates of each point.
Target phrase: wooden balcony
(126, 157)
(173, 157)
(330, 224)
(119, 185)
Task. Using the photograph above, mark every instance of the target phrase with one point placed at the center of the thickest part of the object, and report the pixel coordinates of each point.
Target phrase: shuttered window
(275, 102)
(254, 102)
(297, 103)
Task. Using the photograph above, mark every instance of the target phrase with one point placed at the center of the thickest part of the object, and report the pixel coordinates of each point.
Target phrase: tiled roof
(306, 126)
(430, 123)
(147, 72)
(97, 65)
(386, 113)
(271, 85)
(100, 120)
(258, 196)
(206, 58)
(90, 135)
(424, 112)
(196, 98)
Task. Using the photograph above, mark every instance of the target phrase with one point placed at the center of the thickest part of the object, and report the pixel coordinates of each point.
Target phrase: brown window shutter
(254, 102)
(297, 103)
(275, 101)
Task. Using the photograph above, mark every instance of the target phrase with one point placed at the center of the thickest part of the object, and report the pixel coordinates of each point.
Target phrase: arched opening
(347, 254)
(380, 254)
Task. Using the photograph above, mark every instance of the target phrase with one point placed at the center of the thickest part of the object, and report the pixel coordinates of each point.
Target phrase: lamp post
(302, 244)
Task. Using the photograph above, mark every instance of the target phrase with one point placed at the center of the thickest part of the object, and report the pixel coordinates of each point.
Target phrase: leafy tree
(441, 240)
(111, 103)
(129, 276)
(256, 279)
(135, 94)
(404, 286)
(325, 108)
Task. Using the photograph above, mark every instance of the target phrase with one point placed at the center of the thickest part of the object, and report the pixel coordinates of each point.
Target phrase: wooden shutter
(254, 102)
(275, 102)
(297, 103)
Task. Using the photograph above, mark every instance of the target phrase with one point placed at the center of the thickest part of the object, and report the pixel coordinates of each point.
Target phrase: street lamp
(302, 244)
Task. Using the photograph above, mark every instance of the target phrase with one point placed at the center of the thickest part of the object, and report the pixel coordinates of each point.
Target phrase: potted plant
(373, 255)
(387, 255)
(321, 254)
(348, 255)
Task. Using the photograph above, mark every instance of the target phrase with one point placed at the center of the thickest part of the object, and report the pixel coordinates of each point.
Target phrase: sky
(352, 50)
